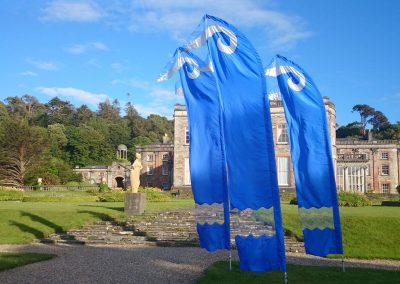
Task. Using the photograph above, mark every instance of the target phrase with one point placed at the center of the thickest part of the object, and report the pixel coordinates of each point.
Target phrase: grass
(11, 260)
(368, 232)
(22, 222)
(219, 273)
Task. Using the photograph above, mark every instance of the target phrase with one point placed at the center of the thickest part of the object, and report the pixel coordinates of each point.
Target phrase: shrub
(350, 199)
(59, 198)
(293, 201)
(398, 189)
(103, 187)
(155, 194)
(114, 196)
(11, 195)
(391, 203)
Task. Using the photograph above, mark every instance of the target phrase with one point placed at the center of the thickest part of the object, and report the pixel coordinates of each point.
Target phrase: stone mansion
(361, 165)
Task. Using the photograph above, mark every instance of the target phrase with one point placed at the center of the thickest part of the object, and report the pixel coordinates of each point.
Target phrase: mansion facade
(361, 165)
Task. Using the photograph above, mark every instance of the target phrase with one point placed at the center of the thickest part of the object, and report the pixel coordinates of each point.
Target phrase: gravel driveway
(117, 264)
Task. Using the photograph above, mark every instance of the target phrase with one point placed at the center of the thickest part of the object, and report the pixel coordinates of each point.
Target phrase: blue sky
(87, 51)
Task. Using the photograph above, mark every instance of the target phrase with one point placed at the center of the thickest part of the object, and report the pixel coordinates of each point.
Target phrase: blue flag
(248, 144)
(311, 156)
(207, 160)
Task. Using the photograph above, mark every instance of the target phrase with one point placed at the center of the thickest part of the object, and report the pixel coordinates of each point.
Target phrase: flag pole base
(343, 267)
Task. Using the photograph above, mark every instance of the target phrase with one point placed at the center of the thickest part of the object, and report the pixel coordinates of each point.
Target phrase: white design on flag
(316, 218)
(209, 32)
(253, 222)
(280, 70)
(194, 74)
(209, 213)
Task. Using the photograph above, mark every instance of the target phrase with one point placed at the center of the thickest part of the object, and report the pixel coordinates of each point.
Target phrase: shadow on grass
(99, 215)
(119, 209)
(43, 221)
(27, 229)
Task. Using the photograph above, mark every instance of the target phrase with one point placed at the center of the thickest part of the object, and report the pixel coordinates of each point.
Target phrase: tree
(83, 115)
(22, 149)
(87, 146)
(353, 129)
(59, 111)
(109, 111)
(365, 112)
(378, 121)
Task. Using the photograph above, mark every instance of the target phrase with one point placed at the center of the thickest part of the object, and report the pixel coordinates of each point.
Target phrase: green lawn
(368, 232)
(22, 222)
(11, 260)
(219, 273)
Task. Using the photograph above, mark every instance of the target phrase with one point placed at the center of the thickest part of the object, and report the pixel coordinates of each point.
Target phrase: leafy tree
(60, 111)
(58, 140)
(353, 129)
(365, 112)
(22, 149)
(378, 121)
(87, 146)
(83, 115)
(109, 111)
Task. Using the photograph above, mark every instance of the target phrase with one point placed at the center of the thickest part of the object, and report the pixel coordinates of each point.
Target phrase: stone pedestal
(135, 203)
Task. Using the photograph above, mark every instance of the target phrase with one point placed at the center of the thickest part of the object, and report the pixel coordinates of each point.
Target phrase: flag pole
(343, 267)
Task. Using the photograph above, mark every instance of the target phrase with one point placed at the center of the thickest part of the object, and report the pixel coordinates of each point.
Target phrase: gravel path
(117, 264)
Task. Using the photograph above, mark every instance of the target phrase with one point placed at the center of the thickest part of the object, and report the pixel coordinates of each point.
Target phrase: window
(340, 178)
(384, 156)
(165, 168)
(150, 158)
(385, 170)
(187, 139)
(165, 157)
(283, 137)
(150, 170)
(165, 186)
(355, 179)
(283, 171)
(385, 188)
(187, 180)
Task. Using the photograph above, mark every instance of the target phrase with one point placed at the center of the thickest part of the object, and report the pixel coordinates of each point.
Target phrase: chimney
(370, 135)
(165, 139)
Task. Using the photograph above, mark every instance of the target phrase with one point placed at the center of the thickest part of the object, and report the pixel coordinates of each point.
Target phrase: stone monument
(135, 202)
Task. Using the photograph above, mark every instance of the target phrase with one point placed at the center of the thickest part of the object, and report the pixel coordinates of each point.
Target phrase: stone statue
(135, 173)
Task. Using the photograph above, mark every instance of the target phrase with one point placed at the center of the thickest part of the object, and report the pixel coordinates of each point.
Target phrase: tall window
(385, 188)
(150, 170)
(385, 170)
(187, 139)
(384, 156)
(355, 179)
(165, 157)
(340, 178)
(282, 136)
(165, 168)
(283, 171)
(187, 180)
(149, 157)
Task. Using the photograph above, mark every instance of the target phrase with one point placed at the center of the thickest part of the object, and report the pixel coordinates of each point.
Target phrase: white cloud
(181, 17)
(45, 65)
(28, 73)
(82, 48)
(146, 110)
(117, 66)
(71, 11)
(78, 95)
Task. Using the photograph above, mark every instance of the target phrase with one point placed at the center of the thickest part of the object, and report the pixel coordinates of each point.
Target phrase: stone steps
(169, 228)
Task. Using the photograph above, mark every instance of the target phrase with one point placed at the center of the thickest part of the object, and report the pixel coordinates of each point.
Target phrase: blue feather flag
(248, 144)
(311, 157)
